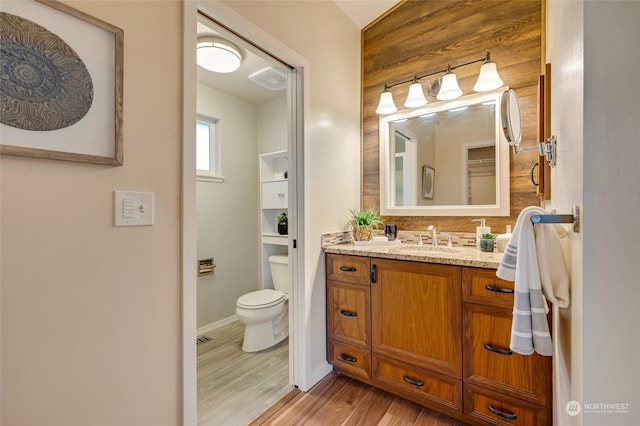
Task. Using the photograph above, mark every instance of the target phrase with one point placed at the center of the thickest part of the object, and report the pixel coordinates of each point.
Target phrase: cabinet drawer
(350, 359)
(348, 269)
(275, 195)
(482, 286)
(489, 408)
(419, 385)
(348, 313)
(488, 362)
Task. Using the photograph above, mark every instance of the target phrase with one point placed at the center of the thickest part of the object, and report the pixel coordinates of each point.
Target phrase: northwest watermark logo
(573, 408)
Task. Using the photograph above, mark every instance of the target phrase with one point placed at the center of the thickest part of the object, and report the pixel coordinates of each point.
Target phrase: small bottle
(503, 239)
(482, 229)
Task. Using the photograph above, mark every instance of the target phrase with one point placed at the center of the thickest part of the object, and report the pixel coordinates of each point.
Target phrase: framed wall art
(61, 78)
(428, 182)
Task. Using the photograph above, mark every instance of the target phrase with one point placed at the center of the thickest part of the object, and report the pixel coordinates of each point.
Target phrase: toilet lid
(261, 299)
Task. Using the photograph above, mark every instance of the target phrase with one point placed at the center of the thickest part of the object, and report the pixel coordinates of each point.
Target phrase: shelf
(276, 239)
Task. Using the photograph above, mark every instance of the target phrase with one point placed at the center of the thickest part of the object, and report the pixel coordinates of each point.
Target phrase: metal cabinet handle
(510, 416)
(372, 274)
(497, 350)
(347, 269)
(412, 381)
(348, 313)
(348, 358)
(498, 289)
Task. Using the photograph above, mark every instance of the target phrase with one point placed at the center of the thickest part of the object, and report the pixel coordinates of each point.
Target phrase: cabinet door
(348, 317)
(274, 195)
(416, 314)
(488, 362)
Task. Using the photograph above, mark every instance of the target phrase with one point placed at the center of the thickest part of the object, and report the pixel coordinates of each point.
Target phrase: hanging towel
(534, 259)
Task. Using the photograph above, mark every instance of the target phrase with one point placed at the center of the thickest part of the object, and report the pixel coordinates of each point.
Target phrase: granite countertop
(458, 255)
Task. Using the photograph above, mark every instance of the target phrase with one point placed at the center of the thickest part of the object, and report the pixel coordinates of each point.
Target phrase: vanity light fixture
(218, 55)
(386, 104)
(488, 79)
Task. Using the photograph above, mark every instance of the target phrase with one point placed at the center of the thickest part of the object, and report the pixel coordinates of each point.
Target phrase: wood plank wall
(422, 36)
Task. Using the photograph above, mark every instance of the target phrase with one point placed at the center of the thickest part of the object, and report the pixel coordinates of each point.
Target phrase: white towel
(534, 259)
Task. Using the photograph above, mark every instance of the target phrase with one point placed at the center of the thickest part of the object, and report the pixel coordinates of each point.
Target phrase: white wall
(228, 212)
(611, 205)
(323, 35)
(273, 126)
(565, 53)
(91, 313)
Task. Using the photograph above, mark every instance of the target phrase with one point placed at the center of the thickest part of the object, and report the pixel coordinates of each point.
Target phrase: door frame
(297, 104)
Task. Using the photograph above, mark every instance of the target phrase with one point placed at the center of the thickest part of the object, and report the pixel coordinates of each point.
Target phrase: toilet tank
(280, 273)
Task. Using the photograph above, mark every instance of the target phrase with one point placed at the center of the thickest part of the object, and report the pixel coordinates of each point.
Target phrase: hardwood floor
(235, 387)
(339, 400)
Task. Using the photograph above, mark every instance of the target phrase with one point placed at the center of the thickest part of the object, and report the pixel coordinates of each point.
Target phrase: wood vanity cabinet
(434, 334)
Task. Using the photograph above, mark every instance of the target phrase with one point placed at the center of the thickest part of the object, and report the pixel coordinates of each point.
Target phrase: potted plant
(486, 242)
(361, 223)
(283, 221)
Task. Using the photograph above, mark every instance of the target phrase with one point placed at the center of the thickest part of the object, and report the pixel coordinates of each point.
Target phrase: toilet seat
(261, 299)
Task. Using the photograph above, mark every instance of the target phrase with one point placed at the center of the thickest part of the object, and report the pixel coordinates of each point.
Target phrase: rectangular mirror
(445, 159)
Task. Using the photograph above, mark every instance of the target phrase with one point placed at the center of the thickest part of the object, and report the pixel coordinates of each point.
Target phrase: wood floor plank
(339, 408)
(339, 400)
(371, 410)
(310, 403)
(404, 410)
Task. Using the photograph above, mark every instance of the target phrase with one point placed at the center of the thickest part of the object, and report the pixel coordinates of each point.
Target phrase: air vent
(270, 78)
(202, 339)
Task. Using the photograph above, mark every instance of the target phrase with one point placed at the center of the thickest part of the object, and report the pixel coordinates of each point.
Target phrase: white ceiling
(361, 13)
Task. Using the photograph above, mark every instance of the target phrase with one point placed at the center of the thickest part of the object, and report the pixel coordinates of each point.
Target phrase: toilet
(265, 312)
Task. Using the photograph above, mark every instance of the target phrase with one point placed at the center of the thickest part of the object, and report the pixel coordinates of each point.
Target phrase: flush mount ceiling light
(218, 55)
(443, 89)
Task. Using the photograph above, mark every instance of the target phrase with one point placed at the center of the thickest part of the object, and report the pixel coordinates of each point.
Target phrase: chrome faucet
(434, 241)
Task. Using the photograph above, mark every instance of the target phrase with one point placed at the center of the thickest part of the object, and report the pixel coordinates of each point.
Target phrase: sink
(426, 249)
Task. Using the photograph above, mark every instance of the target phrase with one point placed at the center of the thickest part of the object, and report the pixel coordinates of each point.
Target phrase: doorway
(256, 251)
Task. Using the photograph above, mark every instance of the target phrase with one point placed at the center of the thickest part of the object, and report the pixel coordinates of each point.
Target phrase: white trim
(214, 179)
(500, 208)
(215, 325)
(188, 225)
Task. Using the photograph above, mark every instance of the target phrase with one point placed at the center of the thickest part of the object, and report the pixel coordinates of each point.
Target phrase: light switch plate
(131, 208)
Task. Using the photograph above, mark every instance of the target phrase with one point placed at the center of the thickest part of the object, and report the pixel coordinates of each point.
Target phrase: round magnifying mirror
(511, 121)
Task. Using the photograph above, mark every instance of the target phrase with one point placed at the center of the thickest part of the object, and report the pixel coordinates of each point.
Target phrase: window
(208, 164)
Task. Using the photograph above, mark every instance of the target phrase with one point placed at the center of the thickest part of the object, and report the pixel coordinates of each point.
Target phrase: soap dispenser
(503, 239)
(482, 229)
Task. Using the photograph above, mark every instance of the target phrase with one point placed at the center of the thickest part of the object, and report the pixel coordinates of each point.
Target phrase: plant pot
(486, 244)
(362, 233)
(283, 228)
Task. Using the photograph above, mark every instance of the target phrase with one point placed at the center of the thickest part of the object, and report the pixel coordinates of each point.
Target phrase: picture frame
(83, 122)
(428, 182)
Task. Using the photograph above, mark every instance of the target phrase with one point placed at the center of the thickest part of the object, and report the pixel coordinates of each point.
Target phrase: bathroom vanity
(433, 327)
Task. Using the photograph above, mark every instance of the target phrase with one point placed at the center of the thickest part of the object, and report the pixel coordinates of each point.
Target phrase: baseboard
(317, 375)
(210, 327)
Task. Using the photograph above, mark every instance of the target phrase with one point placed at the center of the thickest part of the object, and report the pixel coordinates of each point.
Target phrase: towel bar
(574, 218)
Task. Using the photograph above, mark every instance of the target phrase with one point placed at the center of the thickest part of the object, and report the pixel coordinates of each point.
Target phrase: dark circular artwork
(44, 85)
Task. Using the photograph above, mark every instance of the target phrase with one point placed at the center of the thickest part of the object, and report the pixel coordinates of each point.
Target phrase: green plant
(487, 236)
(282, 218)
(369, 217)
